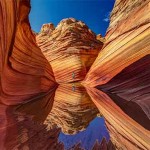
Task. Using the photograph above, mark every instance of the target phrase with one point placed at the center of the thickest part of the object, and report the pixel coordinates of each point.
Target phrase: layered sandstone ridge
(70, 48)
(24, 71)
(127, 40)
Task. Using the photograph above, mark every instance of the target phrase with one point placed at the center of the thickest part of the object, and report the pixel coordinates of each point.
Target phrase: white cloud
(107, 17)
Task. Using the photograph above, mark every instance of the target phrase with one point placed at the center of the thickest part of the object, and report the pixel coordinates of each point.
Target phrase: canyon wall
(66, 53)
(24, 71)
(127, 40)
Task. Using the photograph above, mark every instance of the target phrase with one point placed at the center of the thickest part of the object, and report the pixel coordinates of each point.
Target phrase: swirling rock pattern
(70, 48)
(26, 74)
(24, 71)
(43, 103)
(127, 40)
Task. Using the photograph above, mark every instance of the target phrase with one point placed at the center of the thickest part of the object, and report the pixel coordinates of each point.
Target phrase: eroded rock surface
(70, 48)
(24, 71)
(21, 132)
(130, 89)
(127, 40)
(123, 65)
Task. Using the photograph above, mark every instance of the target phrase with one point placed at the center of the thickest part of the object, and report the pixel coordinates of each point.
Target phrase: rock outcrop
(72, 110)
(70, 48)
(24, 71)
(127, 40)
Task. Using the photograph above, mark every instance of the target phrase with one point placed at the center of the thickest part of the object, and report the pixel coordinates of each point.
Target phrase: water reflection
(124, 132)
(87, 138)
(73, 109)
(69, 117)
(21, 132)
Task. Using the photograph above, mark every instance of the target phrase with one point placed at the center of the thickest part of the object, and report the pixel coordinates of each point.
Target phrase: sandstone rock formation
(66, 53)
(24, 71)
(125, 133)
(70, 48)
(127, 40)
(72, 109)
(103, 145)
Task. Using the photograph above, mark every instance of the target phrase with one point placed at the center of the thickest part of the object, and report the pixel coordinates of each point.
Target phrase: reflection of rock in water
(21, 132)
(130, 90)
(125, 133)
(40, 107)
(72, 110)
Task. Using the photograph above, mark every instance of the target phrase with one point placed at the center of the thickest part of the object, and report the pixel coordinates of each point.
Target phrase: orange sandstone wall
(24, 71)
(127, 40)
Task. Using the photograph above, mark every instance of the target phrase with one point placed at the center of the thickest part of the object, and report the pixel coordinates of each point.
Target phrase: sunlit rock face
(24, 71)
(70, 48)
(130, 90)
(127, 40)
(20, 132)
(72, 109)
(125, 133)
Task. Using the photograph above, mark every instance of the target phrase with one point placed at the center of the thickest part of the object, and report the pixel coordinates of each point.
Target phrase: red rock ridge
(70, 48)
(127, 40)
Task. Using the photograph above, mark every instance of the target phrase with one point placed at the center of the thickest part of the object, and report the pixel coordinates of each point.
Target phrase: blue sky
(94, 13)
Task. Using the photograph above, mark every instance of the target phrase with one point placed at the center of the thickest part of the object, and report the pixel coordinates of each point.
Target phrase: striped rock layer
(24, 71)
(70, 48)
(127, 40)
